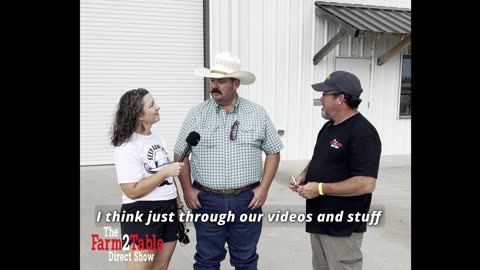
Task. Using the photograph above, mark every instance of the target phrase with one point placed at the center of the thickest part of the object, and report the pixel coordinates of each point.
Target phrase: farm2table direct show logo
(110, 238)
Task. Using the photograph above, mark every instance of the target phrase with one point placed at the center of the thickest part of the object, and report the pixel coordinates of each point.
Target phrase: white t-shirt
(141, 157)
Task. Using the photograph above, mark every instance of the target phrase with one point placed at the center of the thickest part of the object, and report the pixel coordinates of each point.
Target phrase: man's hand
(190, 197)
(296, 181)
(259, 197)
(309, 190)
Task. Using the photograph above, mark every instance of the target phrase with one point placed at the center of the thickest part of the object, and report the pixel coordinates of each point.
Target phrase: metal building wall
(273, 39)
(276, 40)
(395, 133)
(153, 44)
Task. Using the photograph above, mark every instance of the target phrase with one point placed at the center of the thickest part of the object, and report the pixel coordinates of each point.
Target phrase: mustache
(215, 90)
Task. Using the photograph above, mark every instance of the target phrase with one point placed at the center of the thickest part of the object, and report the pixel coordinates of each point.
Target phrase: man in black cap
(339, 179)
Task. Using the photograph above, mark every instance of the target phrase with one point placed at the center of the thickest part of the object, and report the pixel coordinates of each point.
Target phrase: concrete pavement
(282, 245)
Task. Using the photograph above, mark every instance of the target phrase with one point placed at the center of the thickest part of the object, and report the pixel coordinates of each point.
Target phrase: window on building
(405, 110)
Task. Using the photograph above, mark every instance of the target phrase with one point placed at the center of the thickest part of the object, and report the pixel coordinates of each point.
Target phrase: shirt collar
(235, 107)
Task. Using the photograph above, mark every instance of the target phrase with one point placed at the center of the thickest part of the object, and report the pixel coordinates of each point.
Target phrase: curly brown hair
(128, 109)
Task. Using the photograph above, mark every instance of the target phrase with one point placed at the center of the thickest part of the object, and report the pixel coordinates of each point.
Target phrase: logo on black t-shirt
(335, 144)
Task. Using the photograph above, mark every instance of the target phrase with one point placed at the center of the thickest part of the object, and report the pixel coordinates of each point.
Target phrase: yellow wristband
(320, 190)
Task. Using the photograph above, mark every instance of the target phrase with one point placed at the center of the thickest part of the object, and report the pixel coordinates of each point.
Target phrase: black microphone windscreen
(193, 138)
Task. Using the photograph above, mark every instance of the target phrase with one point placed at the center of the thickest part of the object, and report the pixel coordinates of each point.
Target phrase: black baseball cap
(342, 81)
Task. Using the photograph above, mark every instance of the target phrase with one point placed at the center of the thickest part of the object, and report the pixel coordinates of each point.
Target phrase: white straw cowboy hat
(226, 66)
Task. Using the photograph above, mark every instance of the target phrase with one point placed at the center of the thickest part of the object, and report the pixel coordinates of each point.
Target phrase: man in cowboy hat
(226, 166)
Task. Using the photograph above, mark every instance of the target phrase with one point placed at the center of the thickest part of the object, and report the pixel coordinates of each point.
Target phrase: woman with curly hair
(145, 174)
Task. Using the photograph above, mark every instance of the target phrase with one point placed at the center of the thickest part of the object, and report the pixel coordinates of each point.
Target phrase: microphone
(192, 140)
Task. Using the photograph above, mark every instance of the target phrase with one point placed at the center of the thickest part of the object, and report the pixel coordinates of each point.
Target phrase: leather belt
(226, 192)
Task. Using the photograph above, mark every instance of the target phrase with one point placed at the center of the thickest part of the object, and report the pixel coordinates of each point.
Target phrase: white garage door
(153, 44)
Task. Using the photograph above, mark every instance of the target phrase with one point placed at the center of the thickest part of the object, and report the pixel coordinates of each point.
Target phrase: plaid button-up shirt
(218, 162)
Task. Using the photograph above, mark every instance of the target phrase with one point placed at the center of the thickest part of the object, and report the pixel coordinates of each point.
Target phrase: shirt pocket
(250, 134)
(207, 136)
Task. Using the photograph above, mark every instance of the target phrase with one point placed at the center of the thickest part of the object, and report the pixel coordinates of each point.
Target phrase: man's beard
(325, 115)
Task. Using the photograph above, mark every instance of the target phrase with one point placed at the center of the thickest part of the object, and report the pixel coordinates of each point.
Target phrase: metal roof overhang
(357, 19)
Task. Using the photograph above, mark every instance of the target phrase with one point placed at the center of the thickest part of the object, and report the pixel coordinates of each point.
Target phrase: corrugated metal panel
(369, 18)
(275, 41)
(395, 133)
(154, 44)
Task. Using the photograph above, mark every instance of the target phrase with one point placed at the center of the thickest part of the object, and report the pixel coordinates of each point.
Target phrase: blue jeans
(242, 237)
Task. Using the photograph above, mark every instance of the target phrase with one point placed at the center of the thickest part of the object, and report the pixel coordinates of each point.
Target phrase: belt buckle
(229, 192)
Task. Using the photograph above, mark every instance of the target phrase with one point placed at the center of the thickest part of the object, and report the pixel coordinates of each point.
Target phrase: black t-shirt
(351, 148)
